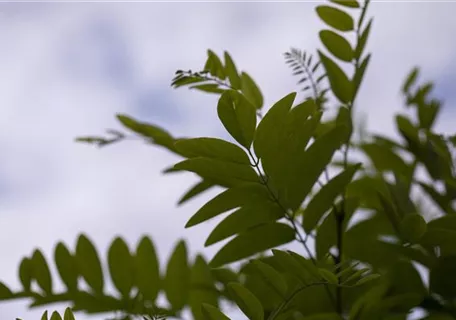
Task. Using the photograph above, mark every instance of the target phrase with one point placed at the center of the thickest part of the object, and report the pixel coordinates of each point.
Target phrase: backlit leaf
(340, 83)
(272, 277)
(147, 269)
(212, 148)
(41, 271)
(337, 45)
(412, 227)
(326, 196)
(238, 116)
(121, 267)
(212, 313)
(177, 279)
(229, 199)
(246, 301)
(231, 72)
(66, 266)
(347, 3)
(89, 264)
(251, 91)
(254, 241)
(335, 18)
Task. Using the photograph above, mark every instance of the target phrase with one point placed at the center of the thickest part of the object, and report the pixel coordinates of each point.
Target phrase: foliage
(289, 177)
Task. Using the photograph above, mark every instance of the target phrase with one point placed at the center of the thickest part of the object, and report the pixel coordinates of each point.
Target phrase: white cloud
(55, 188)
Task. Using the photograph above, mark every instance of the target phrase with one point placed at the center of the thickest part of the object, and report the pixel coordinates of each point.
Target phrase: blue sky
(67, 68)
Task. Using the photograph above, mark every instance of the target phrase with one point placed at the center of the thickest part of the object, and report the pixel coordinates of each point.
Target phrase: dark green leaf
(326, 196)
(155, 134)
(43, 317)
(198, 188)
(212, 148)
(410, 80)
(68, 315)
(66, 266)
(147, 269)
(340, 84)
(202, 287)
(251, 91)
(229, 199)
(121, 268)
(328, 276)
(185, 80)
(209, 88)
(89, 264)
(227, 174)
(309, 167)
(41, 272)
(359, 75)
(246, 301)
(362, 40)
(214, 65)
(231, 71)
(245, 218)
(441, 279)
(291, 265)
(335, 18)
(55, 316)
(384, 159)
(272, 277)
(254, 241)
(347, 3)
(177, 280)
(337, 45)
(5, 292)
(238, 117)
(212, 313)
(412, 227)
(26, 273)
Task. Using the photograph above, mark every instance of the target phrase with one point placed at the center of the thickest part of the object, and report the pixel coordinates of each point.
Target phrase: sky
(68, 68)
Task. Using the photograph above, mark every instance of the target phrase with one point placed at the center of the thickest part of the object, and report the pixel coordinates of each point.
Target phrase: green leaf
(155, 134)
(385, 159)
(267, 134)
(309, 167)
(209, 88)
(337, 45)
(367, 279)
(245, 218)
(203, 288)
(68, 315)
(212, 148)
(246, 301)
(89, 264)
(121, 268)
(412, 227)
(55, 316)
(238, 117)
(44, 316)
(227, 174)
(328, 276)
(147, 269)
(326, 196)
(291, 265)
(254, 241)
(347, 3)
(198, 188)
(335, 18)
(5, 292)
(66, 266)
(225, 275)
(362, 40)
(177, 279)
(251, 91)
(212, 313)
(272, 277)
(41, 272)
(231, 71)
(214, 65)
(410, 80)
(25, 273)
(340, 84)
(229, 199)
(359, 75)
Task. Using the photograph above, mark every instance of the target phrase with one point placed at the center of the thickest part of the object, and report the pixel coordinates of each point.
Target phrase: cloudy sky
(66, 69)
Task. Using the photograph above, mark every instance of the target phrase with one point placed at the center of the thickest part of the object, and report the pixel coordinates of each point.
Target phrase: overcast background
(67, 68)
